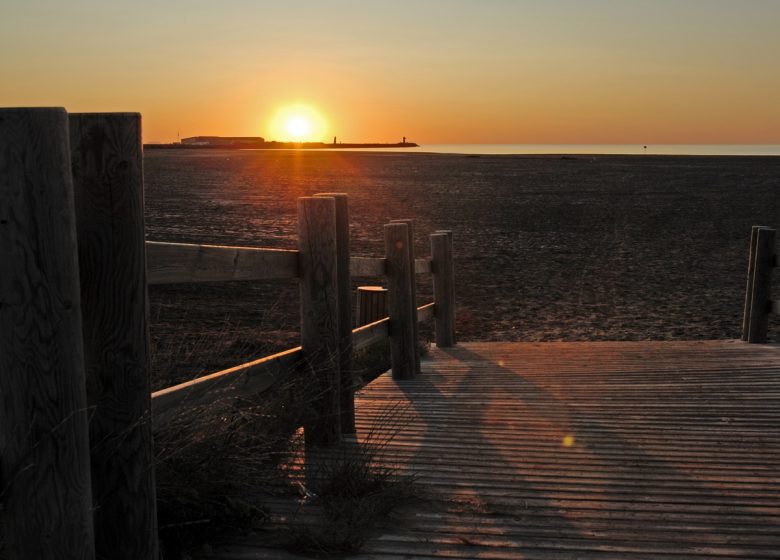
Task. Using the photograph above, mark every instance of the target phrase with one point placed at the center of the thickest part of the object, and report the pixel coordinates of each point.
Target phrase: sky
(435, 71)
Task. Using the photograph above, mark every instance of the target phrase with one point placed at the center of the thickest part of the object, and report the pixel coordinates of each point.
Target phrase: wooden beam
(368, 334)
(422, 266)
(762, 285)
(44, 442)
(403, 345)
(425, 312)
(749, 285)
(367, 266)
(317, 239)
(169, 263)
(413, 283)
(107, 161)
(371, 304)
(346, 382)
(243, 380)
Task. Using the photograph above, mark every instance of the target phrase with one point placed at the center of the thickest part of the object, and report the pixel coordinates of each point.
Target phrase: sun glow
(298, 123)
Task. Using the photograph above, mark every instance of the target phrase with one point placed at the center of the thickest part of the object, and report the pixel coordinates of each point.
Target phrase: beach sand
(546, 247)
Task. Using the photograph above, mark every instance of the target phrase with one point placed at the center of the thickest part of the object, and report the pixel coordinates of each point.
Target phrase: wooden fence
(77, 412)
(762, 258)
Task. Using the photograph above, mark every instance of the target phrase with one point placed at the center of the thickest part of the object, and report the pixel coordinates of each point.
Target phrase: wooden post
(107, 163)
(749, 286)
(403, 345)
(413, 283)
(346, 383)
(443, 288)
(44, 445)
(320, 314)
(371, 304)
(762, 285)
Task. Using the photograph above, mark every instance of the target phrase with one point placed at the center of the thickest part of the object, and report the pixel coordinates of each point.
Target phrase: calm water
(617, 149)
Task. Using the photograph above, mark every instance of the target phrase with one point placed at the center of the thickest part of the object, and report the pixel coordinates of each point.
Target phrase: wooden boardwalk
(583, 450)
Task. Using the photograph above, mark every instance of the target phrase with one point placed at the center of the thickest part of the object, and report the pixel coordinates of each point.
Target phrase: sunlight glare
(298, 123)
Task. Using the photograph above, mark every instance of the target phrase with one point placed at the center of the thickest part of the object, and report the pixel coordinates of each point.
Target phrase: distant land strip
(278, 146)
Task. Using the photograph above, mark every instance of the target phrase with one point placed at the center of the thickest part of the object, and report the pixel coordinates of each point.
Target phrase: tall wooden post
(44, 445)
(413, 283)
(443, 288)
(107, 162)
(749, 286)
(371, 304)
(403, 345)
(317, 243)
(762, 285)
(346, 383)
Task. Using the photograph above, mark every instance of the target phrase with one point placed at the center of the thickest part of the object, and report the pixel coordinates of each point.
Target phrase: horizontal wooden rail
(775, 307)
(169, 263)
(367, 266)
(425, 312)
(371, 333)
(422, 266)
(242, 380)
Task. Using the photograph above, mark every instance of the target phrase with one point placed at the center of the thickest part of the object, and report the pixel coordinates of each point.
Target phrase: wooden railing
(77, 413)
(762, 258)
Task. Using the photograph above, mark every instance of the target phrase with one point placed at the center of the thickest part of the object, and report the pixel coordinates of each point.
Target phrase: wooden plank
(370, 333)
(318, 245)
(422, 266)
(367, 266)
(44, 445)
(107, 161)
(413, 283)
(425, 312)
(346, 381)
(760, 305)
(170, 263)
(403, 347)
(243, 380)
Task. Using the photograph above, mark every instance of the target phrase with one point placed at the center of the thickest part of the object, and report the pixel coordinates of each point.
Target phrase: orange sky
(436, 71)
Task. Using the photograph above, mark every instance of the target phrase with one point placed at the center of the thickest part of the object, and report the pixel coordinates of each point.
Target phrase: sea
(603, 149)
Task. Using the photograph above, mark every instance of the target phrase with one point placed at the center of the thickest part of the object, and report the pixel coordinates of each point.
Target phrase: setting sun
(298, 123)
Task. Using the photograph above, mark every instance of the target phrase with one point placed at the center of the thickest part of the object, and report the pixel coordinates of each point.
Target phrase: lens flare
(298, 123)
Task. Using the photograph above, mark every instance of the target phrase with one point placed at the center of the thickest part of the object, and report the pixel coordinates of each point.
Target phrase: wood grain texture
(367, 266)
(443, 290)
(107, 164)
(403, 345)
(370, 333)
(170, 263)
(243, 380)
(318, 265)
(346, 382)
(413, 283)
(422, 266)
(371, 304)
(760, 305)
(749, 284)
(618, 450)
(426, 312)
(44, 446)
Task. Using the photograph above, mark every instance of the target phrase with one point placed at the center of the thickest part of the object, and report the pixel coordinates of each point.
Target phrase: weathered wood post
(44, 445)
(413, 283)
(403, 345)
(749, 286)
(346, 383)
(107, 163)
(762, 285)
(443, 288)
(318, 246)
(371, 304)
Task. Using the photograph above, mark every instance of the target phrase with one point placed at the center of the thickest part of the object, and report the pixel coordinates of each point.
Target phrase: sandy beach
(547, 247)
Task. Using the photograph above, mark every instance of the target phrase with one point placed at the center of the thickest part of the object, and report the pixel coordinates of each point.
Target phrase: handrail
(169, 263)
(762, 258)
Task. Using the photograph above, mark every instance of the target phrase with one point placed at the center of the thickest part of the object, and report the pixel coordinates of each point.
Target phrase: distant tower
(404, 142)
(334, 140)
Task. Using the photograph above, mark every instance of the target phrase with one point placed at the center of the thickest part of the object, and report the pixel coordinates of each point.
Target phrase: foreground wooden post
(749, 286)
(371, 304)
(443, 288)
(762, 285)
(317, 243)
(44, 445)
(413, 283)
(107, 163)
(403, 345)
(346, 383)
